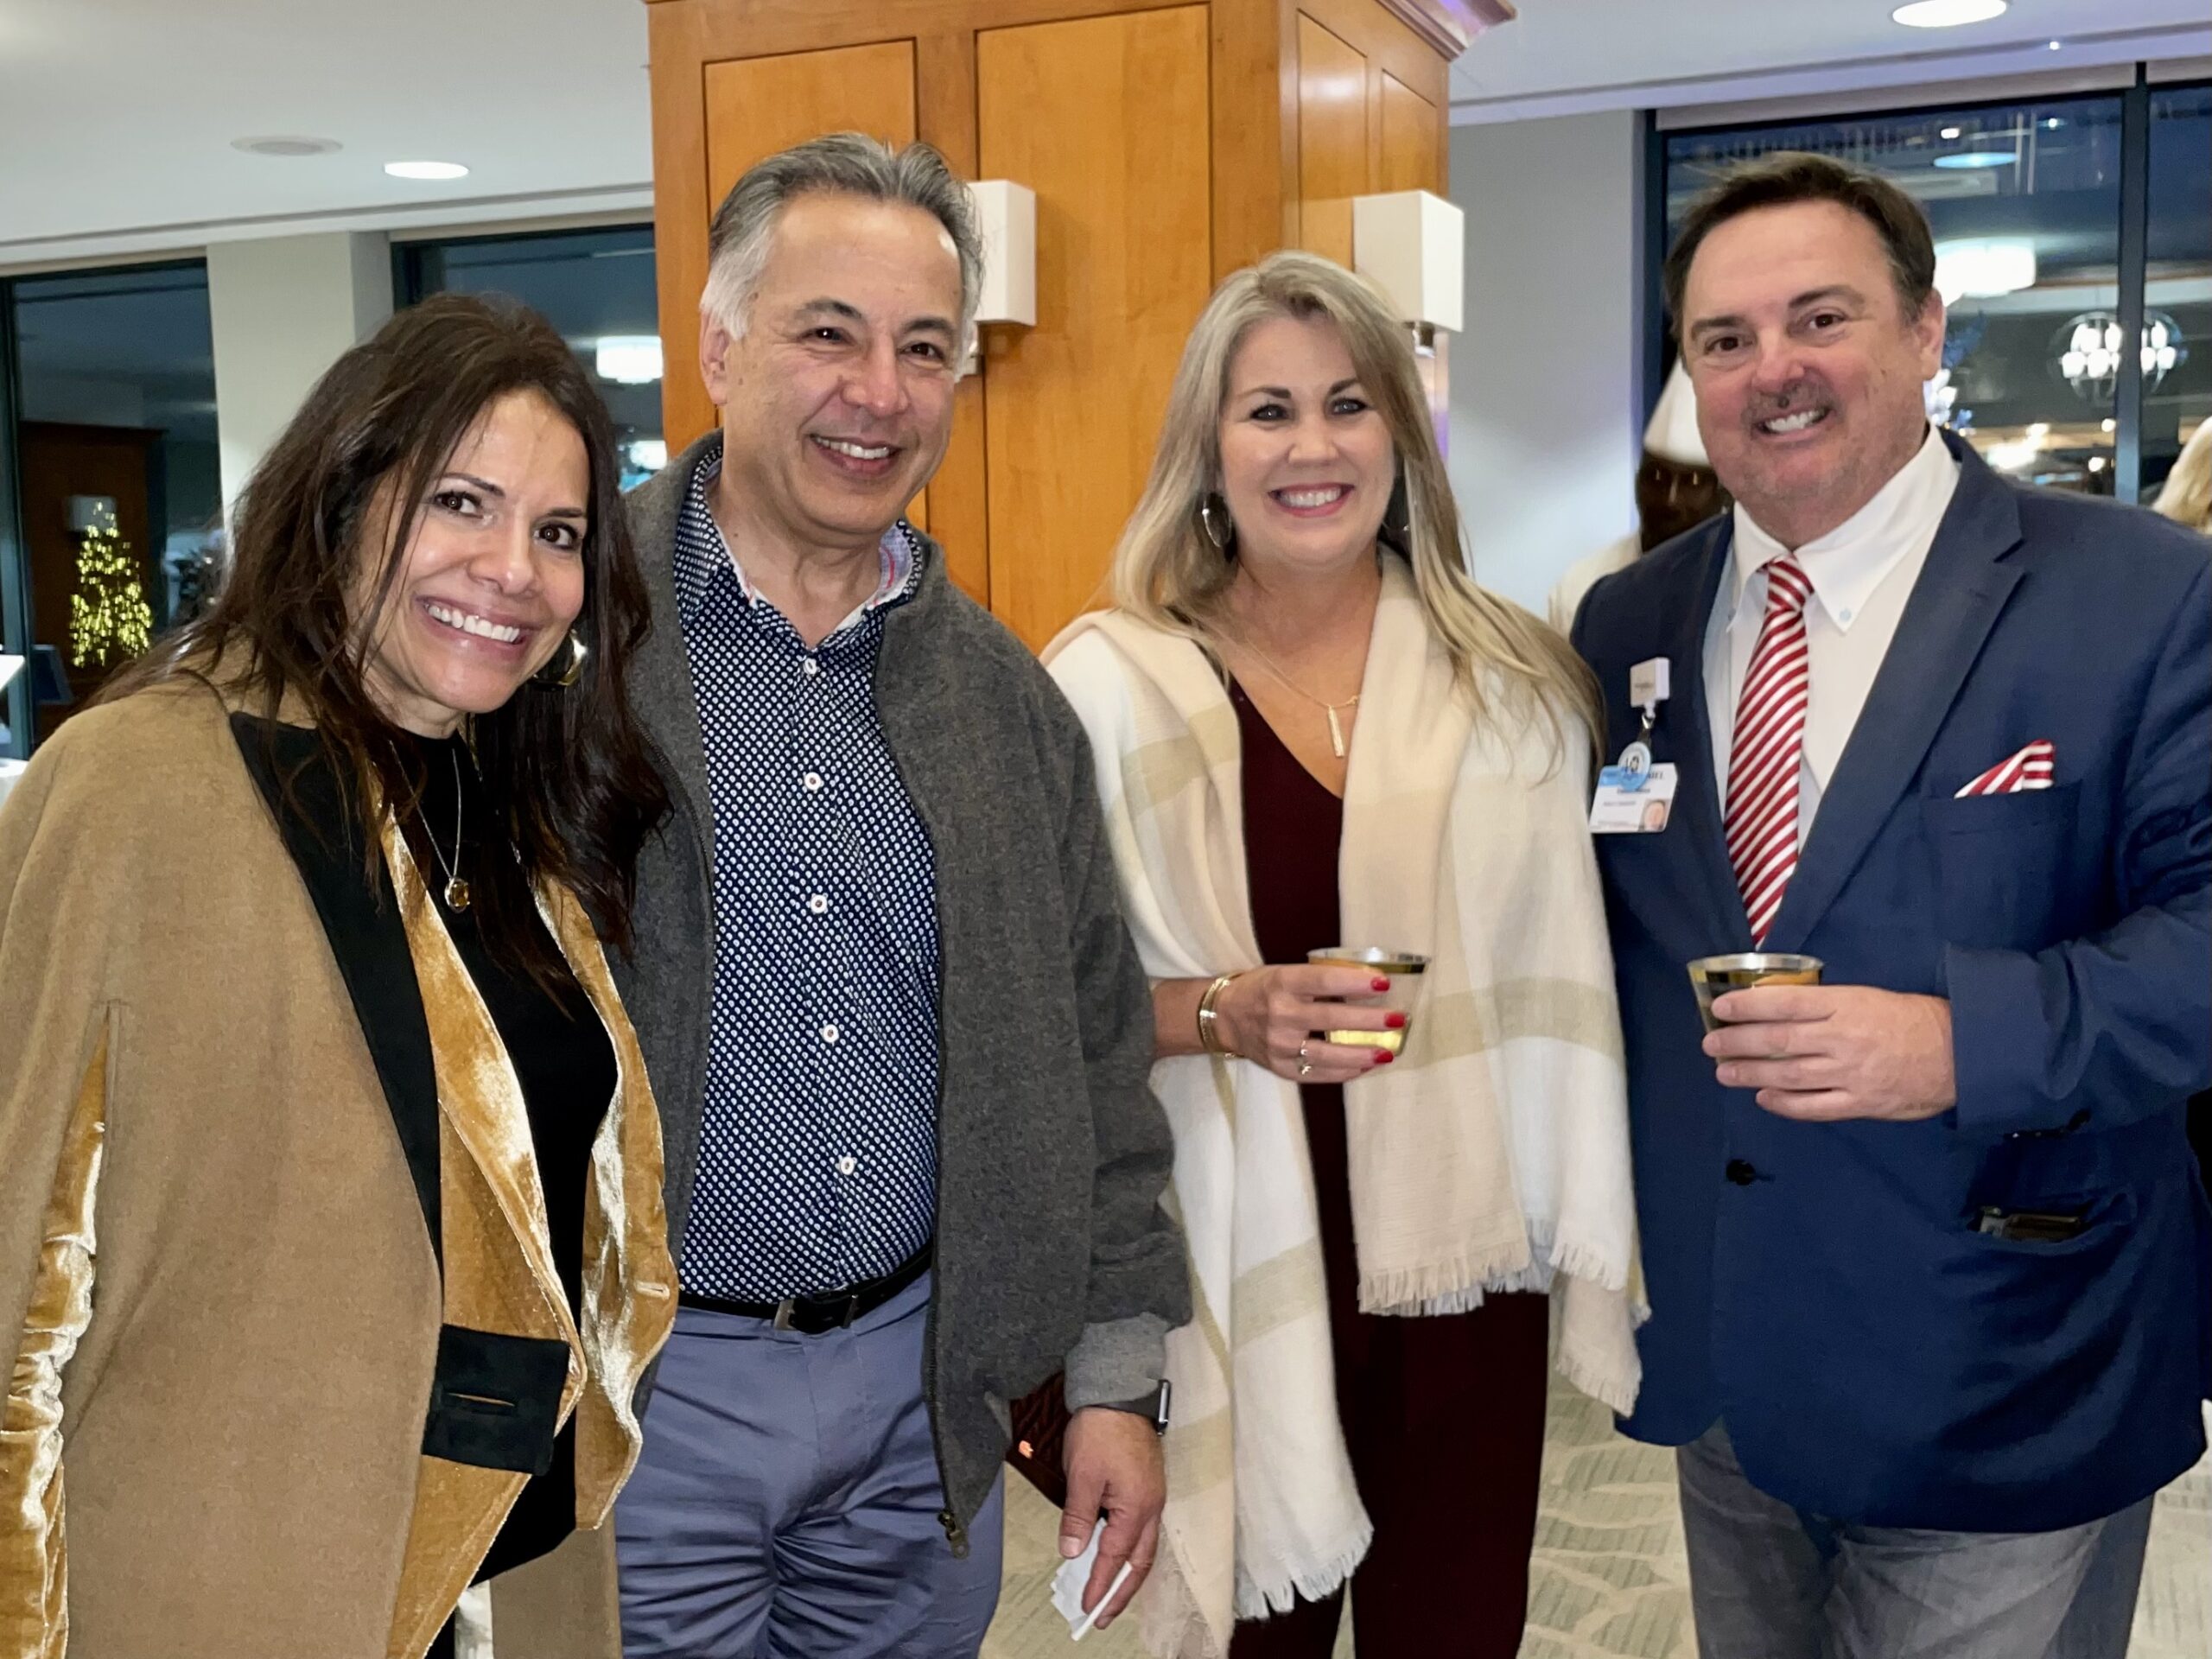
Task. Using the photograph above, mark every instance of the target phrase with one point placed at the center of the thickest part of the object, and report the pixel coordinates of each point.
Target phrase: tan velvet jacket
(212, 1249)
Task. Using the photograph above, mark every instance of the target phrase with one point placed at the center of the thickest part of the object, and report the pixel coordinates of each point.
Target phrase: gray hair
(843, 164)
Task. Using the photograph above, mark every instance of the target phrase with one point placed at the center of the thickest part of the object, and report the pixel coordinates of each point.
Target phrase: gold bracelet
(1210, 1038)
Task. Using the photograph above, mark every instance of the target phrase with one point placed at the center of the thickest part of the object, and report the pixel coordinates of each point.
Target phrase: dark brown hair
(1791, 176)
(571, 766)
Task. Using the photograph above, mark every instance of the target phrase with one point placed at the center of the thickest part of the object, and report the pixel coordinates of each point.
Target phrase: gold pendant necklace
(457, 888)
(1335, 731)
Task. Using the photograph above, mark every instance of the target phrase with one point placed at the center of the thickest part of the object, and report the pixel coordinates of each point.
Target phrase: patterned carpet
(1609, 1579)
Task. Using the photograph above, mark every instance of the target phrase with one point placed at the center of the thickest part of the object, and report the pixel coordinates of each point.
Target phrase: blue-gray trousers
(787, 1501)
(1768, 1581)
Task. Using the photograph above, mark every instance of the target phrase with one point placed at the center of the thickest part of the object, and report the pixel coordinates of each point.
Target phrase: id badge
(1631, 801)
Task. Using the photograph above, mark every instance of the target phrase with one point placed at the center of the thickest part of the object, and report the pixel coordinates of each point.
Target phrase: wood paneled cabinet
(1168, 145)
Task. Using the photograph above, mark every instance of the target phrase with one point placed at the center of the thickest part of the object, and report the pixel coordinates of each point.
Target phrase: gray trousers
(1768, 1581)
(787, 1503)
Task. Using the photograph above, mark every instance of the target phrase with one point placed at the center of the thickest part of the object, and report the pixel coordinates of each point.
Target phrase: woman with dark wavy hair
(330, 1181)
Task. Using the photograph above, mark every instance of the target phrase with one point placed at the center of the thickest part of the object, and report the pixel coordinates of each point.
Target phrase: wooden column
(1168, 145)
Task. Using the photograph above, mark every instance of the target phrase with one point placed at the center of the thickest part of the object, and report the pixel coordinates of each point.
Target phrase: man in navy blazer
(1931, 1270)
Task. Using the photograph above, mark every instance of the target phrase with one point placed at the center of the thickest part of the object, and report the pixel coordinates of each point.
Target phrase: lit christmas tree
(109, 619)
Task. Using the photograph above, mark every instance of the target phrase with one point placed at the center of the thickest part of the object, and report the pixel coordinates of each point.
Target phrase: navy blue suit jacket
(1821, 1287)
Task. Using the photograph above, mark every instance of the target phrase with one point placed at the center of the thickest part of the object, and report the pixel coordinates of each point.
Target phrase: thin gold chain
(1270, 664)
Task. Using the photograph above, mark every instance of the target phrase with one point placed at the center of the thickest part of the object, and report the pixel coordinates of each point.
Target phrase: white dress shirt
(1862, 574)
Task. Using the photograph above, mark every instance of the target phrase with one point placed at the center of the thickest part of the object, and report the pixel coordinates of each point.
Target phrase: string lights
(109, 619)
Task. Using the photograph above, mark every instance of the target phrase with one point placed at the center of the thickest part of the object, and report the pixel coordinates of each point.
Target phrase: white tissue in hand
(1067, 1582)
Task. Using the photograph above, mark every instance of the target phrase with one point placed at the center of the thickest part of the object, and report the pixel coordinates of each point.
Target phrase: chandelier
(2086, 351)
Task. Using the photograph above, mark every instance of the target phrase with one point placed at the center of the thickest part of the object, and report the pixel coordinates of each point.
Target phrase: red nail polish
(1395, 1022)
(1380, 983)
(1384, 1059)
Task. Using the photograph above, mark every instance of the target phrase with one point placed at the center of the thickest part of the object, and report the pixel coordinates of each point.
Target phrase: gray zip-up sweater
(1053, 1247)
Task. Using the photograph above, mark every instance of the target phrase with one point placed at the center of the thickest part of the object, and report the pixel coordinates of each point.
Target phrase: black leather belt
(824, 1311)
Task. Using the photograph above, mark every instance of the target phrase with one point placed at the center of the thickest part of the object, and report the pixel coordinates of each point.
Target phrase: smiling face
(1307, 460)
(492, 576)
(1808, 366)
(836, 400)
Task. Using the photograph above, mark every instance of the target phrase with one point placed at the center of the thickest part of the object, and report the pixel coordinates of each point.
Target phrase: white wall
(282, 309)
(1546, 423)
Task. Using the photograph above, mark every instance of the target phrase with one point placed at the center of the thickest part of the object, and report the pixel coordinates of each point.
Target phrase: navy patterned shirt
(817, 1156)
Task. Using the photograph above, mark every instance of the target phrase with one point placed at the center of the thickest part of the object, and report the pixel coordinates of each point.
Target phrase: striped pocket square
(2029, 769)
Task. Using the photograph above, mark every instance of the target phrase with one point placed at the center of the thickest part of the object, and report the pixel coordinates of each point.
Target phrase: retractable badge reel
(1634, 795)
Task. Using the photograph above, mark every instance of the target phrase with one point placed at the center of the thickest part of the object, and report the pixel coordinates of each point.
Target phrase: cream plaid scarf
(1493, 1156)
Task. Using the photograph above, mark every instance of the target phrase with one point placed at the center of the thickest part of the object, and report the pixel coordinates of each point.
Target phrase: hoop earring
(567, 668)
(1221, 535)
(1397, 525)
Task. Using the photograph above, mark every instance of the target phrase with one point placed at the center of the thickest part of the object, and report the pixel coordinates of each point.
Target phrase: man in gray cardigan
(899, 1032)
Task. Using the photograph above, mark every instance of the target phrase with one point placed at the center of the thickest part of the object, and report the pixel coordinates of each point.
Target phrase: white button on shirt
(1862, 574)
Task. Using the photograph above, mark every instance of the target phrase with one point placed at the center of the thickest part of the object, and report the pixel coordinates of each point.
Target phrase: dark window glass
(2024, 199)
(597, 288)
(117, 467)
(2178, 288)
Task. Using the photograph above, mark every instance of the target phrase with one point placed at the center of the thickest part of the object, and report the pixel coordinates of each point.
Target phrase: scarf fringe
(1461, 1285)
(1316, 1583)
(1607, 1391)
(1580, 1260)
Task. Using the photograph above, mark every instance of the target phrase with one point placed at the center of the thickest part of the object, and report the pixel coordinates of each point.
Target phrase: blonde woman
(2187, 496)
(1312, 729)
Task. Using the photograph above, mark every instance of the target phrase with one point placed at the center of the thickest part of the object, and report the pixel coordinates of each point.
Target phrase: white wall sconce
(1006, 213)
(1413, 247)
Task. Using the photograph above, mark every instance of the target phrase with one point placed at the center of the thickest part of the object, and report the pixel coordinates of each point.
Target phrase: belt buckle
(788, 1307)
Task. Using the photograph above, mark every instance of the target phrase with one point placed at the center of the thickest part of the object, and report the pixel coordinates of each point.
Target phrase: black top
(561, 1057)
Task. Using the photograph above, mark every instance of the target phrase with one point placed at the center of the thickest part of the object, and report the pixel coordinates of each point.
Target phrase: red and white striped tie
(1768, 745)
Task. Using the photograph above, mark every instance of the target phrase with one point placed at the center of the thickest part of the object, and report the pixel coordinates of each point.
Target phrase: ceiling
(1562, 57)
(118, 117)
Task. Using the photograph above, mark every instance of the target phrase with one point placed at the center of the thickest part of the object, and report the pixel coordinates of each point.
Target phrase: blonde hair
(1167, 571)
(2187, 498)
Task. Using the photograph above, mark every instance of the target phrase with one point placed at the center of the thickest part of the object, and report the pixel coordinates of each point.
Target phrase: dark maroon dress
(1444, 1417)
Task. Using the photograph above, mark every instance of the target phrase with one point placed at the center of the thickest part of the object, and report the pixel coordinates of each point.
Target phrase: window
(596, 287)
(2178, 285)
(2025, 203)
(115, 470)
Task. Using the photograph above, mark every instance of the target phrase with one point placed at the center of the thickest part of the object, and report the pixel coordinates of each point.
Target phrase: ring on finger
(1304, 1065)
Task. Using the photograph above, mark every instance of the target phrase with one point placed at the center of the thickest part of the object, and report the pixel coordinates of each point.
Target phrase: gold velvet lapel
(629, 1283)
(499, 1274)
(34, 1569)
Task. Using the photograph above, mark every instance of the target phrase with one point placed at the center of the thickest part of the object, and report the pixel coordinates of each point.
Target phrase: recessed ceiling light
(1967, 160)
(2053, 124)
(426, 169)
(1946, 14)
(286, 145)
(2054, 45)
(628, 359)
(1983, 267)
(1949, 132)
